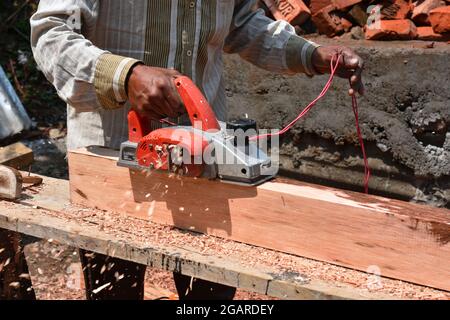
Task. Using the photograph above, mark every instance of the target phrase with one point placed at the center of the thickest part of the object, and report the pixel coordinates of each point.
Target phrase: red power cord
(334, 67)
(361, 143)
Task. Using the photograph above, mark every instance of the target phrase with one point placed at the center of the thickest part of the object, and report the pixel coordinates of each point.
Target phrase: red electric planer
(206, 148)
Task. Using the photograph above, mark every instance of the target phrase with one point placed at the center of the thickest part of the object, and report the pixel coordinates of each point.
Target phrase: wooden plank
(264, 280)
(403, 240)
(54, 196)
(16, 155)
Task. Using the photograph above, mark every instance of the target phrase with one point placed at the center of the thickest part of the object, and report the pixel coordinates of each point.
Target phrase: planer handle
(200, 112)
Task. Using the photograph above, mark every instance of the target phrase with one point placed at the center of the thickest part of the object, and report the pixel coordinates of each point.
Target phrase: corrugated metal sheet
(13, 117)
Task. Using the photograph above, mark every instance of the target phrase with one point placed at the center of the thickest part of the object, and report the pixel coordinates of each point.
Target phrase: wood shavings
(141, 233)
(106, 285)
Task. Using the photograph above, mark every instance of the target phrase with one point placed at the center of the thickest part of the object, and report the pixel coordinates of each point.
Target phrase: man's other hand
(350, 67)
(152, 92)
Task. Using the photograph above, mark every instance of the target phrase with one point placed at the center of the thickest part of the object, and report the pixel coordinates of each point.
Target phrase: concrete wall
(404, 119)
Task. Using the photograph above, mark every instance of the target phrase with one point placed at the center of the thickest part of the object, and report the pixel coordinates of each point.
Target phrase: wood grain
(40, 223)
(402, 240)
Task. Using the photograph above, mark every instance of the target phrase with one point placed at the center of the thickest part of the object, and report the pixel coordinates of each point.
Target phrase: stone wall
(404, 115)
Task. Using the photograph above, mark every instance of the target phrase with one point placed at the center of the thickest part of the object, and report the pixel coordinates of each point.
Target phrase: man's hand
(152, 92)
(350, 67)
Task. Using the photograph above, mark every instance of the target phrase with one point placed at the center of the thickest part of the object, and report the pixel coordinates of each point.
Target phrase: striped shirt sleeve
(271, 45)
(110, 78)
(85, 76)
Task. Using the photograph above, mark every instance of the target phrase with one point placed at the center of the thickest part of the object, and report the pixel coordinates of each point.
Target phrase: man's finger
(351, 60)
(360, 87)
(345, 73)
(158, 105)
(174, 99)
(174, 73)
(175, 105)
(169, 110)
(356, 79)
(148, 113)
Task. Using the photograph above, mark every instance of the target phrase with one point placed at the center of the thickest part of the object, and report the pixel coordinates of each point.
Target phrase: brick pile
(369, 19)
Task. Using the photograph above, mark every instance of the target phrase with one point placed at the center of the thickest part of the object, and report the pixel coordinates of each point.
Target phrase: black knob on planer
(242, 129)
(243, 124)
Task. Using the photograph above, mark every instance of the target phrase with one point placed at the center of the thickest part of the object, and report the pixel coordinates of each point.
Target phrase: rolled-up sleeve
(268, 44)
(85, 76)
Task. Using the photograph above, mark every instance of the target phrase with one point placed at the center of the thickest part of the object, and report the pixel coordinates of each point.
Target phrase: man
(103, 56)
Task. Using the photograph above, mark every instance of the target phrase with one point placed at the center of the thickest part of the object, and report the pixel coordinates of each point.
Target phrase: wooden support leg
(15, 281)
(189, 288)
(109, 278)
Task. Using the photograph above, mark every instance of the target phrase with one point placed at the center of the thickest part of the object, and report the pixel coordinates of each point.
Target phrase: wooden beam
(301, 277)
(191, 262)
(16, 155)
(402, 240)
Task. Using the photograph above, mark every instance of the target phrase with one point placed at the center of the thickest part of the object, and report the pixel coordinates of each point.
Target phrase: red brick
(329, 23)
(346, 25)
(342, 4)
(422, 10)
(427, 34)
(359, 14)
(395, 9)
(317, 5)
(293, 11)
(392, 30)
(440, 19)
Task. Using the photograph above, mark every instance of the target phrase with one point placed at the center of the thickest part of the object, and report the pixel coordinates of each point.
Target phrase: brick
(293, 11)
(440, 19)
(346, 25)
(392, 30)
(329, 22)
(359, 14)
(396, 9)
(428, 34)
(317, 5)
(342, 4)
(422, 9)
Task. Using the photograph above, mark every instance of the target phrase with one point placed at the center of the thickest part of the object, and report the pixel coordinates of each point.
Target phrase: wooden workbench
(45, 212)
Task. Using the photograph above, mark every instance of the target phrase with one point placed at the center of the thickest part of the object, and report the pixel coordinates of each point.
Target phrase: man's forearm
(84, 75)
(272, 45)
